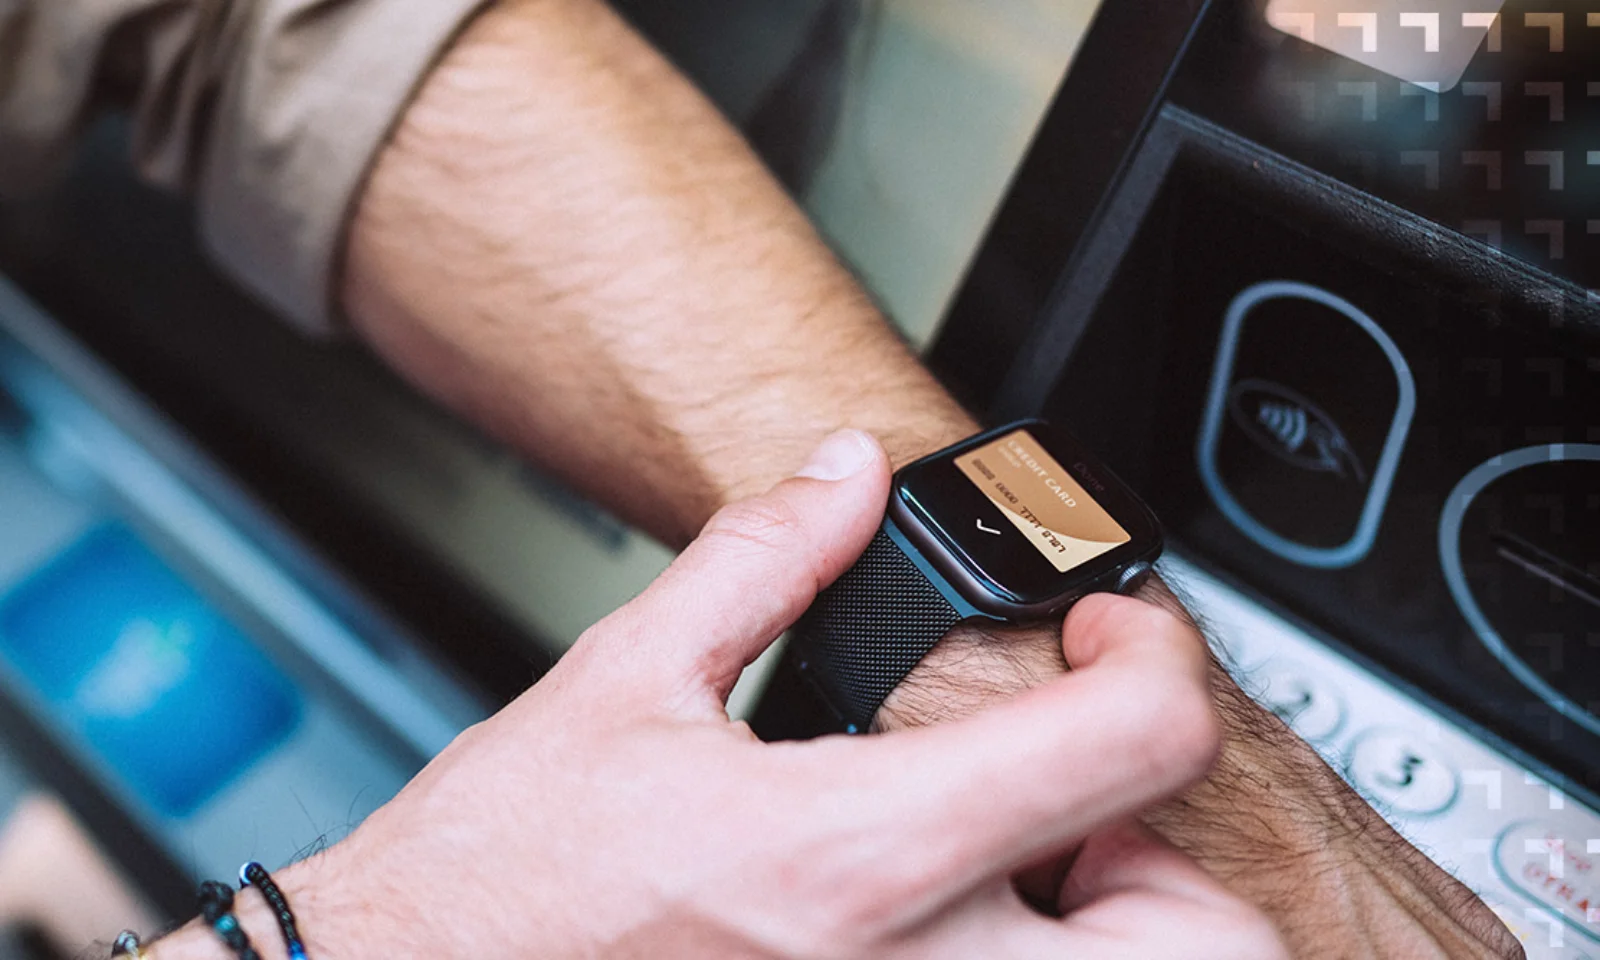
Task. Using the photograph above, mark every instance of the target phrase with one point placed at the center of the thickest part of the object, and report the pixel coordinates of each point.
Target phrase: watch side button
(1133, 577)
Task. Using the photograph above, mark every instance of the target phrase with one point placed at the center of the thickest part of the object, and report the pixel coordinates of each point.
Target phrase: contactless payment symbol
(1293, 429)
(1307, 412)
(153, 678)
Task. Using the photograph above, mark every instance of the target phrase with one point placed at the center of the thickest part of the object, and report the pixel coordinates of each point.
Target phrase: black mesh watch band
(1011, 525)
(868, 630)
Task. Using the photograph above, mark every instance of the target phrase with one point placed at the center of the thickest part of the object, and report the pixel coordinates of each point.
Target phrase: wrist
(971, 668)
(689, 354)
(977, 664)
(1316, 857)
(911, 416)
(328, 914)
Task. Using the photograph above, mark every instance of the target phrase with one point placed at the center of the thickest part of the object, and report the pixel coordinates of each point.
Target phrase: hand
(614, 810)
(1271, 820)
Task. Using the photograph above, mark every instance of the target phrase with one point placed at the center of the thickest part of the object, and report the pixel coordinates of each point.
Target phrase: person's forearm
(566, 242)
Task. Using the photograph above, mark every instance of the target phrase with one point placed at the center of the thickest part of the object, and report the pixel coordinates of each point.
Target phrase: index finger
(981, 797)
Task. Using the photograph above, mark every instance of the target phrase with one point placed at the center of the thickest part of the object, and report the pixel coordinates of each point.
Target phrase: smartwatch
(1011, 526)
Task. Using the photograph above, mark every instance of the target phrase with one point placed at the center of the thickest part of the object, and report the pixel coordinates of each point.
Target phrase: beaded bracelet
(127, 945)
(216, 906)
(255, 875)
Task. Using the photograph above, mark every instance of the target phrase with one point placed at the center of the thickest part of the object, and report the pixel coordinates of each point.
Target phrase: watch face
(1026, 515)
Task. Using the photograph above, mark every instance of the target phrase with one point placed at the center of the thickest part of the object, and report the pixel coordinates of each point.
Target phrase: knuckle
(762, 522)
(855, 924)
(845, 914)
(857, 887)
(905, 880)
(1238, 931)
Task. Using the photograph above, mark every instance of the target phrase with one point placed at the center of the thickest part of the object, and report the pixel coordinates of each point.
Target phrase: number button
(1307, 704)
(1393, 768)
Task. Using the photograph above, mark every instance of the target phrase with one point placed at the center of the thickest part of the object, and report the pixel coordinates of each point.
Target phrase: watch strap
(867, 631)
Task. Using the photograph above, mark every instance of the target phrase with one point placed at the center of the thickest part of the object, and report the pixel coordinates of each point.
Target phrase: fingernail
(843, 454)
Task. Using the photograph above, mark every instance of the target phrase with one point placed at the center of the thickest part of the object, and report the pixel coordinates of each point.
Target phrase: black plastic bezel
(996, 599)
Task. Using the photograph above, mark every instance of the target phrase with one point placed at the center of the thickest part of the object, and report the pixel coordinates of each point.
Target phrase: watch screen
(1028, 512)
(1042, 500)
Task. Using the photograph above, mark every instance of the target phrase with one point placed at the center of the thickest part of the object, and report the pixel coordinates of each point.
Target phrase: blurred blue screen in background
(169, 693)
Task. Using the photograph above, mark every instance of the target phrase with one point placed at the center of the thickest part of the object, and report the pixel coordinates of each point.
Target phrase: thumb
(756, 567)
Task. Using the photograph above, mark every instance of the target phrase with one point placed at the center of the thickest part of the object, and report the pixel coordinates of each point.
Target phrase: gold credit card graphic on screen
(1042, 500)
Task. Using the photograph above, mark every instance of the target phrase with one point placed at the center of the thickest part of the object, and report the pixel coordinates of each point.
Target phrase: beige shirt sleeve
(269, 112)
